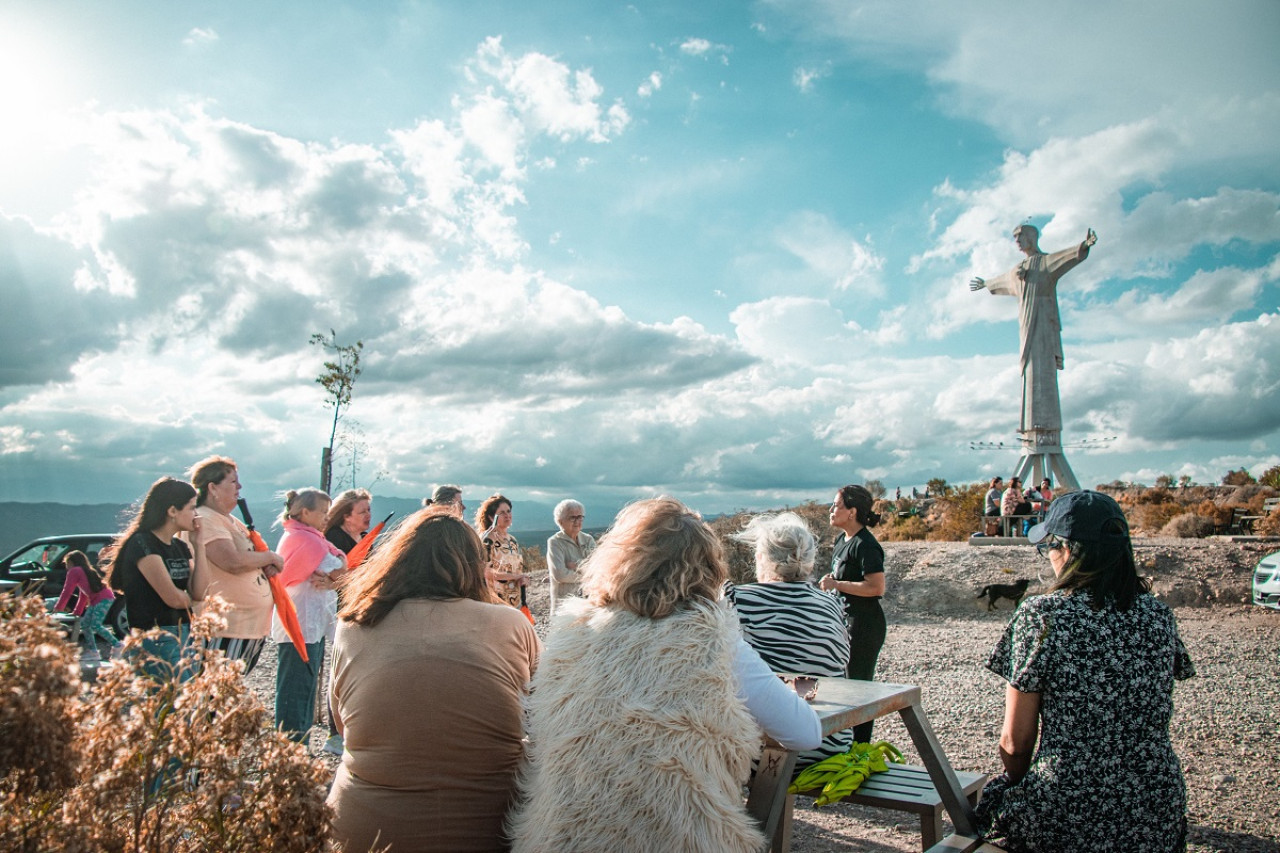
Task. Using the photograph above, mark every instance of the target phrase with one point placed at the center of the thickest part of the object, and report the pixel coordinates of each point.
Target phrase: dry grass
(143, 764)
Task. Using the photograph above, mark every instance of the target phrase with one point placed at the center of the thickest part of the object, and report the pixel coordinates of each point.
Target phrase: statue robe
(1035, 283)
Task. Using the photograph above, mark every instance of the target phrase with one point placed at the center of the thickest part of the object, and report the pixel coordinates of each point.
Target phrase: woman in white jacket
(648, 705)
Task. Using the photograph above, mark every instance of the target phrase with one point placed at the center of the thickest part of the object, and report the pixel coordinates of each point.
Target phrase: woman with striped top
(795, 628)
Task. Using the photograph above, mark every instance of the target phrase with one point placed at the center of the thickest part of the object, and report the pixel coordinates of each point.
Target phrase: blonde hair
(656, 557)
(342, 506)
(296, 501)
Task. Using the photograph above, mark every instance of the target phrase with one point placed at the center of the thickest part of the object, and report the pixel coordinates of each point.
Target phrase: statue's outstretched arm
(1089, 239)
(977, 283)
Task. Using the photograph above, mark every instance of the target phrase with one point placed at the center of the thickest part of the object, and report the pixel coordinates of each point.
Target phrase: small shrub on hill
(1188, 526)
(955, 517)
(909, 529)
(1150, 518)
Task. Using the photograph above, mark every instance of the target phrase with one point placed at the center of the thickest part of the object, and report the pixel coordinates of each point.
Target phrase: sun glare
(32, 89)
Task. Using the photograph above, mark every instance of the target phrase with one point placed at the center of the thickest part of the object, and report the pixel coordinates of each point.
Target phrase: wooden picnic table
(842, 703)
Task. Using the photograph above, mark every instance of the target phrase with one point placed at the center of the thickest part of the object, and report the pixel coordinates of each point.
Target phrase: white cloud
(651, 84)
(835, 257)
(199, 36)
(804, 78)
(550, 97)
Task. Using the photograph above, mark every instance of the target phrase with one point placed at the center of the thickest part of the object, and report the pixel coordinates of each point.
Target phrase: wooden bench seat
(907, 788)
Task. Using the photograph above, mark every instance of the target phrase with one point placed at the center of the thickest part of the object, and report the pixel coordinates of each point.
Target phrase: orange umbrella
(284, 604)
(361, 550)
(524, 607)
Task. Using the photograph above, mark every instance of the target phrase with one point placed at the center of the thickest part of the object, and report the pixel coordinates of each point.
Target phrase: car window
(37, 559)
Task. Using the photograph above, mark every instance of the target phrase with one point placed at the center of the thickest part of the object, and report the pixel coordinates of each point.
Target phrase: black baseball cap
(1082, 516)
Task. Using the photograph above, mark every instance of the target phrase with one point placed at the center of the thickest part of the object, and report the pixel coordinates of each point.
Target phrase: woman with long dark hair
(93, 599)
(160, 576)
(857, 574)
(1090, 668)
(428, 680)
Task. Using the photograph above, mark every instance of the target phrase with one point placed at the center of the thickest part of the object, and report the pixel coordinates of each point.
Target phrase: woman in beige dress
(428, 681)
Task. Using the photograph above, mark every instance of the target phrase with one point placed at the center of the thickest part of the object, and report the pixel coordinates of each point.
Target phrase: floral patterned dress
(1105, 776)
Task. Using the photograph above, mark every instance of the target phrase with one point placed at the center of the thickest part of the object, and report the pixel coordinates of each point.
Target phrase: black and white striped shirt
(797, 629)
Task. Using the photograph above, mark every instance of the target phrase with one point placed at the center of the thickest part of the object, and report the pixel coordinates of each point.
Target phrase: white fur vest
(638, 740)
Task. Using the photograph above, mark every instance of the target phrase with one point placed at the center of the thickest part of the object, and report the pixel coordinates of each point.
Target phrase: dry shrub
(1154, 496)
(1148, 518)
(1244, 495)
(909, 529)
(1188, 526)
(146, 764)
(1268, 525)
(958, 515)
(1219, 515)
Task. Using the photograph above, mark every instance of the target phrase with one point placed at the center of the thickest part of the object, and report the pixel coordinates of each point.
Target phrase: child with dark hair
(93, 600)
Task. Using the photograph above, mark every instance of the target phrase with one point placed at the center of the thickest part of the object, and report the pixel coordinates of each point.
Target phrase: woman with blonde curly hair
(428, 680)
(648, 683)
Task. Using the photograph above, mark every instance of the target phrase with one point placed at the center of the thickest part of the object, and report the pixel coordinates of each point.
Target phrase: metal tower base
(1042, 457)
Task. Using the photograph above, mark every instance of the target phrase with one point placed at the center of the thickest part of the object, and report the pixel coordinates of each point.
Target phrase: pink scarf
(302, 547)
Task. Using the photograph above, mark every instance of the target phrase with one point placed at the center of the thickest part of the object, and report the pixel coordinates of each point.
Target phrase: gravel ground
(1225, 719)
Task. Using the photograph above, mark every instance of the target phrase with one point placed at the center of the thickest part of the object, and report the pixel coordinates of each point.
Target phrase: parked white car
(1266, 581)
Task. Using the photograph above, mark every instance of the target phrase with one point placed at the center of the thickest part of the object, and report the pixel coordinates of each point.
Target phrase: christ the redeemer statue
(1035, 283)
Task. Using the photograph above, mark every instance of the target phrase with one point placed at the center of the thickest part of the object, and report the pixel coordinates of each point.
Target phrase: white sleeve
(782, 714)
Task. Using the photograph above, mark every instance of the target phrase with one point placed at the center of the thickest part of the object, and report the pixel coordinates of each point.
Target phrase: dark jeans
(296, 689)
(867, 629)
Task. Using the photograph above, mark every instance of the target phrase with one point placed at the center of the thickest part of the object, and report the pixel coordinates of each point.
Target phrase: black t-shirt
(144, 605)
(340, 539)
(855, 558)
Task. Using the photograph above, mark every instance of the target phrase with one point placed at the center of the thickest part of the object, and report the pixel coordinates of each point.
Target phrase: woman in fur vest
(648, 705)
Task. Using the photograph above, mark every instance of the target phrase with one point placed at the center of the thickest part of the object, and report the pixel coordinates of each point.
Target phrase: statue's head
(1027, 237)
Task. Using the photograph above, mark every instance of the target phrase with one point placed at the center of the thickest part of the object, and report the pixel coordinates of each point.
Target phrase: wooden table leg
(767, 800)
(940, 770)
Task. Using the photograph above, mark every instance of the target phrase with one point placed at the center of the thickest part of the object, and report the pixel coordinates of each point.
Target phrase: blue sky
(717, 250)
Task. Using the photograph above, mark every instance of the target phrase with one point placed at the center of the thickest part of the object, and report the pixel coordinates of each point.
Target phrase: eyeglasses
(1045, 547)
(574, 517)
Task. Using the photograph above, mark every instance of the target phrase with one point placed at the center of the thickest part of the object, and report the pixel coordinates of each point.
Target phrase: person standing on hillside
(236, 571)
(506, 563)
(566, 549)
(857, 574)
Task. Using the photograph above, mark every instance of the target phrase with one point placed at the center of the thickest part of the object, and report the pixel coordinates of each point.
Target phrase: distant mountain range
(22, 522)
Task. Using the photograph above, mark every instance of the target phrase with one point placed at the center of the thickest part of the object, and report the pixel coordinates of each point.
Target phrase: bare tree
(338, 380)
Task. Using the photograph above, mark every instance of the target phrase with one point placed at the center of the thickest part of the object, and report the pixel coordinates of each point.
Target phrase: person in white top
(566, 549)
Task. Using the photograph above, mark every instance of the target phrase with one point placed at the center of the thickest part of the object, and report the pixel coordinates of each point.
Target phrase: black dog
(1011, 591)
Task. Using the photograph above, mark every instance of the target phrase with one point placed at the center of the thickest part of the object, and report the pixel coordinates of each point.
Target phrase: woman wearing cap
(857, 573)
(1090, 667)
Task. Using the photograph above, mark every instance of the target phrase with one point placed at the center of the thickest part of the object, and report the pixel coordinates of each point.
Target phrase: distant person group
(1013, 501)
(634, 726)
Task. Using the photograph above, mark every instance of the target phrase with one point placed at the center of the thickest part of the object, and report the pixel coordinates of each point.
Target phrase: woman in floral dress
(1090, 667)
